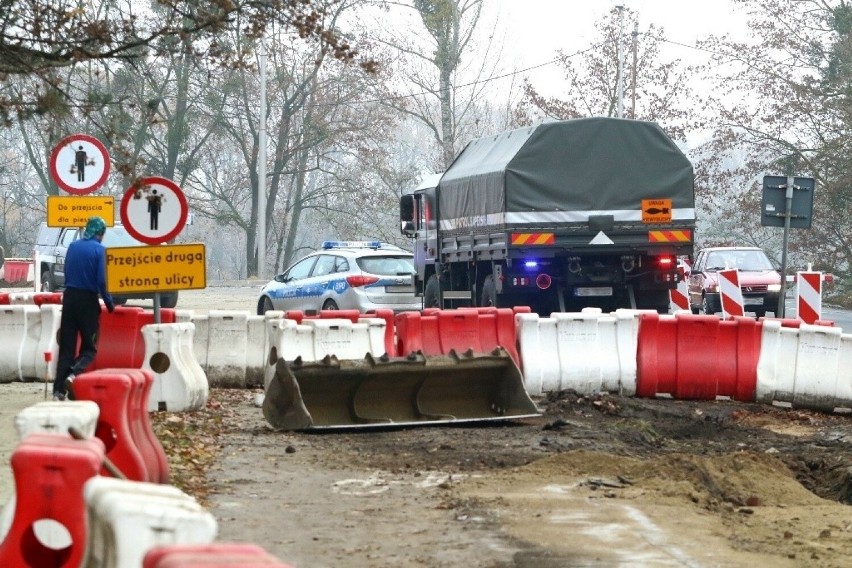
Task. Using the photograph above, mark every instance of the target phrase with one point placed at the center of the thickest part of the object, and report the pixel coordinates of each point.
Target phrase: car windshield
(119, 237)
(745, 260)
(386, 265)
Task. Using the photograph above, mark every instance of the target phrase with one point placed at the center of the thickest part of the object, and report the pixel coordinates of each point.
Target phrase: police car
(345, 275)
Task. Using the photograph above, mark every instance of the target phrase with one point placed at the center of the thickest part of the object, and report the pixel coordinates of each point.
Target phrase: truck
(560, 216)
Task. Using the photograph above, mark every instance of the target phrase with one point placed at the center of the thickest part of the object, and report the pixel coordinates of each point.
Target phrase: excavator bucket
(395, 391)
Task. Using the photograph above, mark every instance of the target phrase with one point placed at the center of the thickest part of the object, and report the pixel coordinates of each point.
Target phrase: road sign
(730, 293)
(154, 210)
(160, 268)
(774, 207)
(75, 210)
(79, 164)
(656, 210)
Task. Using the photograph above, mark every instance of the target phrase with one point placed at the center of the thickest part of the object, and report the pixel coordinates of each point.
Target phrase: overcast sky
(539, 27)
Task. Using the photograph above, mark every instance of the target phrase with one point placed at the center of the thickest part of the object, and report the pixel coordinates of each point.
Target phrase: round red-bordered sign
(154, 210)
(79, 164)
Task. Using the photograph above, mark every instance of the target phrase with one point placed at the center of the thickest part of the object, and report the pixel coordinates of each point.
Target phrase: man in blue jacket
(85, 278)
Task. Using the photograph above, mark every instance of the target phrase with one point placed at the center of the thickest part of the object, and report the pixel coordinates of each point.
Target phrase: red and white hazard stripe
(678, 298)
(809, 296)
(730, 293)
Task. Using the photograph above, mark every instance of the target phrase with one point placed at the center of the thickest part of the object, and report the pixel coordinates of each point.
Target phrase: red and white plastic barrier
(730, 293)
(809, 296)
(679, 298)
(587, 352)
(805, 367)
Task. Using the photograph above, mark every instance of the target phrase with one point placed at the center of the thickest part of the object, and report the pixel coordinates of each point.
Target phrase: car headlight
(774, 288)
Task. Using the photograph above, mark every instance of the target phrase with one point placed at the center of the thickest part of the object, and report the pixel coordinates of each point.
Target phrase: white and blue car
(345, 275)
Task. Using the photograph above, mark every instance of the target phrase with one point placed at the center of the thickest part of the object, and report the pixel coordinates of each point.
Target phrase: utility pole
(620, 78)
(635, 64)
(261, 170)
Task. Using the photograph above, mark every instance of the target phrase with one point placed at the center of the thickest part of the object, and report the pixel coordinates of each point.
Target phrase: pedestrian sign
(154, 210)
(79, 164)
(75, 210)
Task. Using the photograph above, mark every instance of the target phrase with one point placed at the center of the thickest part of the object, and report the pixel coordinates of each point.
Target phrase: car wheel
(432, 293)
(264, 305)
(330, 305)
(47, 284)
(168, 300)
(706, 306)
(489, 292)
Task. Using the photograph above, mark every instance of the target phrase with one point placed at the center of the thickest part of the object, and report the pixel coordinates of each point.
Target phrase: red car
(759, 281)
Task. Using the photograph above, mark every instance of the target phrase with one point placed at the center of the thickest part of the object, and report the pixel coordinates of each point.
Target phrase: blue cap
(94, 226)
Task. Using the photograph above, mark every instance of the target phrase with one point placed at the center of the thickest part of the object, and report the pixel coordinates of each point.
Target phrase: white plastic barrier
(20, 328)
(256, 349)
(179, 381)
(52, 417)
(129, 518)
(809, 367)
(227, 345)
(51, 315)
(586, 351)
(313, 339)
(201, 335)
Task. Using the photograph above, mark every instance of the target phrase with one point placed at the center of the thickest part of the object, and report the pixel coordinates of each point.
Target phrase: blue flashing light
(531, 263)
(326, 245)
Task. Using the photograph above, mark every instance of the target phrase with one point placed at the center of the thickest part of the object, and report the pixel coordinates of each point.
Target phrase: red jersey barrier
(353, 316)
(140, 422)
(697, 357)
(40, 298)
(50, 471)
(436, 332)
(120, 341)
(216, 554)
(112, 392)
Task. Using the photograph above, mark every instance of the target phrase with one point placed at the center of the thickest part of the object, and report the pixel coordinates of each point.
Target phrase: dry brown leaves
(192, 442)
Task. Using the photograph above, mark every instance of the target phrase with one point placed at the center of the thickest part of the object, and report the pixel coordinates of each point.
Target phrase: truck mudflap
(396, 391)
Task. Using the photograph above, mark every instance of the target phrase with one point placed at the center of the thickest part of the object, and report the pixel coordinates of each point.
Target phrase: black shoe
(59, 396)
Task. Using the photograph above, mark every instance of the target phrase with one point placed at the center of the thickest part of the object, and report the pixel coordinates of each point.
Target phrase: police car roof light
(351, 244)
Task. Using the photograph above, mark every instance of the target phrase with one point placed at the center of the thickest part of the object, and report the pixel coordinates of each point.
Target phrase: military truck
(559, 216)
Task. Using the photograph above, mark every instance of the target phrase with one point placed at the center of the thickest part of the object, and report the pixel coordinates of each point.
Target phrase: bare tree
(787, 103)
(40, 37)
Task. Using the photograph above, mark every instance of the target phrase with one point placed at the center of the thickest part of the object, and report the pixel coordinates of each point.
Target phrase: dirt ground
(599, 481)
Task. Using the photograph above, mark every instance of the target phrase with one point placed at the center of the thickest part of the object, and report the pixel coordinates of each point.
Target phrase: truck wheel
(47, 284)
(489, 292)
(432, 293)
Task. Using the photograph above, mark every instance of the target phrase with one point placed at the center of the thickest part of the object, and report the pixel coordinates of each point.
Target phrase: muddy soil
(599, 481)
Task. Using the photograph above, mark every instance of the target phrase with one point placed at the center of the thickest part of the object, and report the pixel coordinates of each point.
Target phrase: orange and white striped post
(809, 296)
(730, 293)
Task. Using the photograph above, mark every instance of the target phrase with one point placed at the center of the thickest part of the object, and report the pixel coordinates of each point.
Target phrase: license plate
(400, 289)
(595, 291)
(753, 301)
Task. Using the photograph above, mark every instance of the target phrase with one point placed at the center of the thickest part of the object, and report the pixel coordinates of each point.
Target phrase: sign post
(790, 209)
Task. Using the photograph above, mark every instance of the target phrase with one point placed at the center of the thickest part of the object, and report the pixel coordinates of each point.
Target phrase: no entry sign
(79, 164)
(154, 210)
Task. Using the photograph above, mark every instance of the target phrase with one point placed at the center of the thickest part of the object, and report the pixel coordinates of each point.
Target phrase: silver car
(345, 275)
